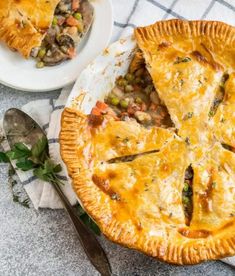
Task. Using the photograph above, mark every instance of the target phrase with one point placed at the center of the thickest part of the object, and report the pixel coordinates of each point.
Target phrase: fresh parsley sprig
(3, 158)
(87, 220)
(38, 160)
(35, 159)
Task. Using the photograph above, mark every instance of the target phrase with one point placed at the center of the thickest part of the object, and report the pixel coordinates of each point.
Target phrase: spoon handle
(91, 246)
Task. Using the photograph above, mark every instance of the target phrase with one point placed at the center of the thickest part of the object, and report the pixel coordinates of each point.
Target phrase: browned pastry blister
(138, 202)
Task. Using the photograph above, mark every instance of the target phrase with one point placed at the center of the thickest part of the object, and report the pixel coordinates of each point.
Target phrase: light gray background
(44, 243)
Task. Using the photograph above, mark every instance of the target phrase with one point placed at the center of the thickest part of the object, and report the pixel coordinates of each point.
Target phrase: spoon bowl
(21, 128)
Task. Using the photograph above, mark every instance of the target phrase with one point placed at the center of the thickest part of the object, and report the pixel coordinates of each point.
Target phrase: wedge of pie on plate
(154, 161)
(48, 30)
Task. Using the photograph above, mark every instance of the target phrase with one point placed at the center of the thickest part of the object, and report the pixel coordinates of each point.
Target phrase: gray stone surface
(43, 242)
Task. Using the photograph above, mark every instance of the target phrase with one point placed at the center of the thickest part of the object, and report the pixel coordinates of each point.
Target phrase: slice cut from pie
(48, 30)
(24, 23)
(166, 189)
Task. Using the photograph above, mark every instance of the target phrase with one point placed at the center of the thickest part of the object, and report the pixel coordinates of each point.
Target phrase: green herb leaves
(126, 140)
(19, 150)
(47, 172)
(35, 159)
(39, 148)
(3, 157)
(187, 116)
(25, 164)
(211, 113)
(213, 184)
(87, 220)
(182, 59)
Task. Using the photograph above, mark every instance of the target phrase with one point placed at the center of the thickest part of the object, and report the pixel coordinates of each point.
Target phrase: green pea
(40, 64)
(77, 15)
(138, 100)
(54, 21)
(185, 200)
(114, 101)
(124, 103)
(42, 52)
(186, 187)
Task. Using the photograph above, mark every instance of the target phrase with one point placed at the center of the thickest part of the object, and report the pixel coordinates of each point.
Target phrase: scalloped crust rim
(73, 123)
(201, 250)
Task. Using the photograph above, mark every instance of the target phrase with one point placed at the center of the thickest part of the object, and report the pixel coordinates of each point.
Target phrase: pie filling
(154, 162)
(135, 98)
(219, 96)
(129, 158)
(187, 195)
(64, 34)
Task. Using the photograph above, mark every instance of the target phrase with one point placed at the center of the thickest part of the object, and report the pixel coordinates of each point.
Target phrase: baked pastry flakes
(131, 179)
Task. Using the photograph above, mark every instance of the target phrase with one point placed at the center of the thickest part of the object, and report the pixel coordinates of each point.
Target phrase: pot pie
(154, 163)
(47, 30)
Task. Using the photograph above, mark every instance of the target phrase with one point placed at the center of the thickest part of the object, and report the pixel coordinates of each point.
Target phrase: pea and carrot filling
(63, 36)
(187, 194)
(135, 98)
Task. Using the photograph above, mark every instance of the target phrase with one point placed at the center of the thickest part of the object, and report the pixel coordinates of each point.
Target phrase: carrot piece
(95, 111)
(75, 5)
(71, 21)
(101, 105)
(95, 120)
(71, 52)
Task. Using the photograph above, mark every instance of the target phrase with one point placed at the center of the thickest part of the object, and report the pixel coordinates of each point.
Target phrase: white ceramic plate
(99, 77)
(22, 74)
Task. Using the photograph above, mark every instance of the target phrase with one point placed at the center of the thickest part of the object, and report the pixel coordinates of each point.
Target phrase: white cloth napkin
(127, 14)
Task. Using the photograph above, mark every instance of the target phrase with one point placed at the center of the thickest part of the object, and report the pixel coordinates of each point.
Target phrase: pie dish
(48, 30)
(166, 189)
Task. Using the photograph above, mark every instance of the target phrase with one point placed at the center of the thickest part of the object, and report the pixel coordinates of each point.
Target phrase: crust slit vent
(219, 96)
(187, 195)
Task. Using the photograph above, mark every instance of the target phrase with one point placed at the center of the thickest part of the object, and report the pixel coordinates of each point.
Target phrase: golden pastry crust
(187, 61)
(139, 203)
(23, 23)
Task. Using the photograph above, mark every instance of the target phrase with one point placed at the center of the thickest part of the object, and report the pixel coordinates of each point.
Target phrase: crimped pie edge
(200, 250)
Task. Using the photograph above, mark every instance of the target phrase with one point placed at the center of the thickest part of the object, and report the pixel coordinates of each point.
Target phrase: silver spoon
(19, 127)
